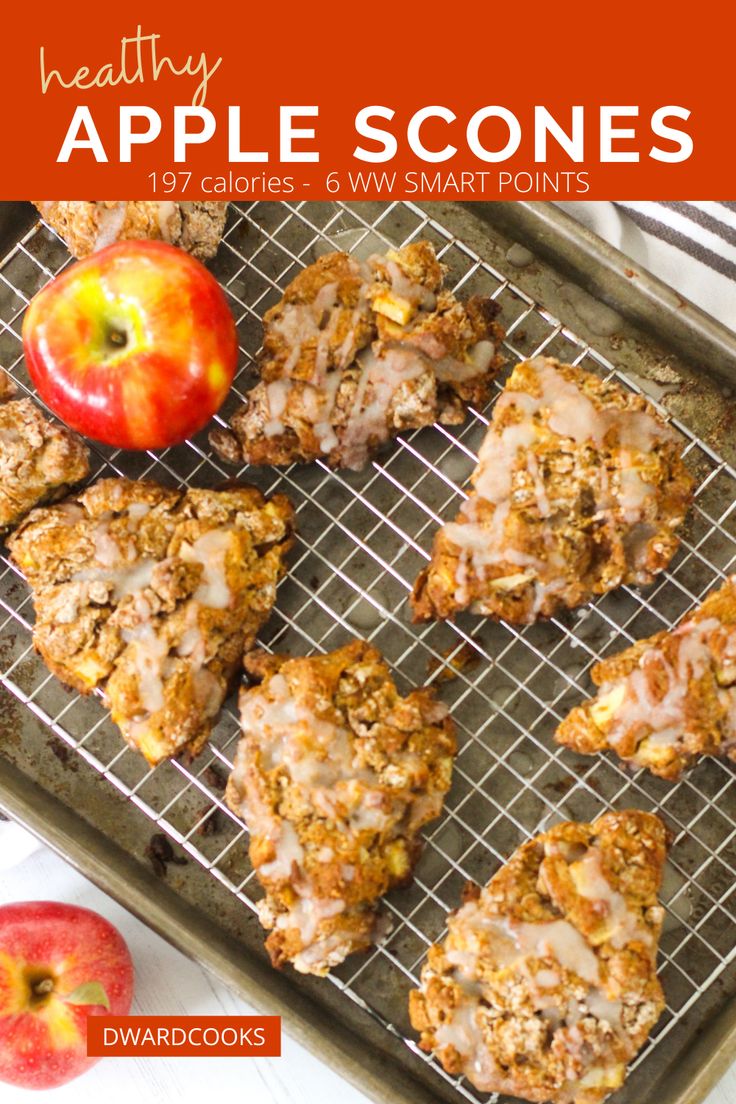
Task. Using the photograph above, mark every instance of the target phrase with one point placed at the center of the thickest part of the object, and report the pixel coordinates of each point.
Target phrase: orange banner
(293, 101)
(184, 1036)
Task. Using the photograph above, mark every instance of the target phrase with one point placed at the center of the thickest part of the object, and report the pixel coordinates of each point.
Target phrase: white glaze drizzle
(210, 550)
(473, 934)
(662, 718)
(379, 381)
(568, 412)
(559, 940)
(624, 925)
(165, 211)
(121, 574)
(149, 652)
(321, 760)
(110, 221)
(505, 943)
(116, 565)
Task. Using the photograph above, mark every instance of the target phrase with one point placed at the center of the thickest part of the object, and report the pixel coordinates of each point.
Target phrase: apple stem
(44, 987)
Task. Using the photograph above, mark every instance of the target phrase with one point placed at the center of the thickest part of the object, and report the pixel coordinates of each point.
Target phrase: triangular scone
(153, 595)
(357, 351)
(335, 775)
(669, 699)
(579, 488)
(545, 985)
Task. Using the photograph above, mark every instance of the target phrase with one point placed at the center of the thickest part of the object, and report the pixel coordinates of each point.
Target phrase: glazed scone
(39, 459)
(335, 775)
(669, 699)
(355, 352)
(153, 595)
(579, 488)
(545, 986)
(89, 225)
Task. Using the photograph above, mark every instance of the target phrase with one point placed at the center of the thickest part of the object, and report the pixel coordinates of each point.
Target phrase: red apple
(134, 346)
(59, 964)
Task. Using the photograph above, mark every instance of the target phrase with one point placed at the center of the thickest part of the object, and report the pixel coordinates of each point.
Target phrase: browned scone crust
(546, 986)
(355, 352)
(335, 775)
(669, 699)
(89, 225)
(153, 595)
(39, 459)
(579, 488)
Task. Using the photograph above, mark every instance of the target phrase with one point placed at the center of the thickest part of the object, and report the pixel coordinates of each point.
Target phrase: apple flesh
(134, 346)
(59, 964)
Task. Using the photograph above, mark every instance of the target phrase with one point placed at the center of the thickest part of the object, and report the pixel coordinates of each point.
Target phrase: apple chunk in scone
(545, 986)
(153, 595)
(335, 775)
(669, 699)
(579, 488)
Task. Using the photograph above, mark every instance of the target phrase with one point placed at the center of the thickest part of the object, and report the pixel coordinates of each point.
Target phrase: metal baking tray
(65, 773)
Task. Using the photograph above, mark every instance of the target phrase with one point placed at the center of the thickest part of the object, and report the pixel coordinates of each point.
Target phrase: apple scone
(334, 776)
(89, 225)
(39, 459)
(545, 986)
(669, 699)
(579, 488)
(355, 352)
(153, 595)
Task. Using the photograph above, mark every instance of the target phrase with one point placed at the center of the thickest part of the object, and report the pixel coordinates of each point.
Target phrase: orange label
(184, 1036)
(292, 101)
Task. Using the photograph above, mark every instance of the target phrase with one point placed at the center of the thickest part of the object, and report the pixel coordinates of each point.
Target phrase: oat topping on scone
(39, 459)
(545, 986)
(89, 225)
(355, 352)
(669, 699)
(153, 595)
(335, 775)
(579, 488)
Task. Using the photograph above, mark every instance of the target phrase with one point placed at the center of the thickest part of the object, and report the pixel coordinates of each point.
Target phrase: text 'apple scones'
(39, 459)
(335, 775)
(153, 595)
(668, 699)
(579, 488)
(545, 985)
(89, 225)
(355, 352)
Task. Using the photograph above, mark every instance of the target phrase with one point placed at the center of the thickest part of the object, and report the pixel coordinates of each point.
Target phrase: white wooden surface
(168, 983)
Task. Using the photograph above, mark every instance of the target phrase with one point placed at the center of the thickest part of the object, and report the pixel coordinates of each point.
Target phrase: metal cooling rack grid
(362, 539)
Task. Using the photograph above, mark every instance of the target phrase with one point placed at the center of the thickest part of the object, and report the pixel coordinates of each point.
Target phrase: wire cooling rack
(362, 538)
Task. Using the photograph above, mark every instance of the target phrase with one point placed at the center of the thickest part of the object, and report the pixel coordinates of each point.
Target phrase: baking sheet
(362, 539)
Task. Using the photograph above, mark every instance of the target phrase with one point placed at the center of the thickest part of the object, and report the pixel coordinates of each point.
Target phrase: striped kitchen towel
(691, 246)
